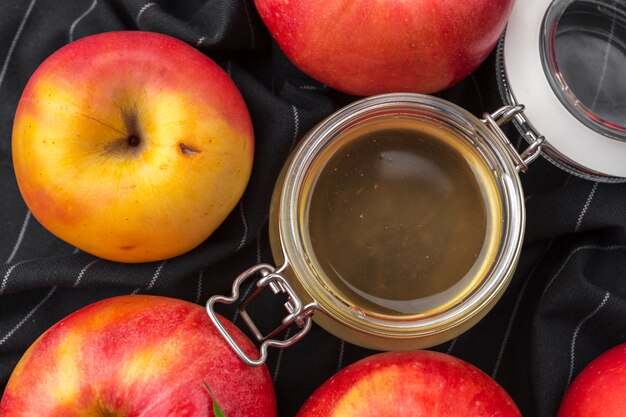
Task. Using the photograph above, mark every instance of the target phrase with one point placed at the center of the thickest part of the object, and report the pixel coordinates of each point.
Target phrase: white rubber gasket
(569, 139)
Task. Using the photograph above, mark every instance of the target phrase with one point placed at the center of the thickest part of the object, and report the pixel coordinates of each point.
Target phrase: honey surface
(398, 216)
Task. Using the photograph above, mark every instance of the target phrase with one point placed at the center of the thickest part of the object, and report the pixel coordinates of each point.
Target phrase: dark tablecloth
(565, 305)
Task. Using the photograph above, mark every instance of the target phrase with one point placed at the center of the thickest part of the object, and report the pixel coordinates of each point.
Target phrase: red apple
(132, 146)
(600, 389)
(367, 47)
(410, 384)
(137, 356)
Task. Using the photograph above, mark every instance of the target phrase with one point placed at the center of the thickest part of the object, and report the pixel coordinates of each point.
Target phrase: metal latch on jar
(299, 314)
(505, 114)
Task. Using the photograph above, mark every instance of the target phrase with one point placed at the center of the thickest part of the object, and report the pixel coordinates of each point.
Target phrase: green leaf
(216, 407)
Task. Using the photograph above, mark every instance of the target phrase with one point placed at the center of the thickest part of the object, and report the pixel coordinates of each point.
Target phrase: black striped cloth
(564, 307)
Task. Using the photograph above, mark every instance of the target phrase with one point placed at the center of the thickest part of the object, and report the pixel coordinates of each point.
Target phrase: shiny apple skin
(84, 178)
(367, 47)
(133, 356)
(600, 389)
(410, 384)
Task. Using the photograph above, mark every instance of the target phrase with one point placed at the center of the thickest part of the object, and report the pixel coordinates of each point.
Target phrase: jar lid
(565, 60)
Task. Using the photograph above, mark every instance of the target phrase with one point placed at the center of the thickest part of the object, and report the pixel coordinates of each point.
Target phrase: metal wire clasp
(298, 314)
(505, 114)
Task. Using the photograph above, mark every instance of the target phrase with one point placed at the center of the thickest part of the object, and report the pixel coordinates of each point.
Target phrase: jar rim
(513, 216)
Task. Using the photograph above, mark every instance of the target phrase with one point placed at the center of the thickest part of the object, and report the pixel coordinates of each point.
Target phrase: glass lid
(565, 60)
(584, 56)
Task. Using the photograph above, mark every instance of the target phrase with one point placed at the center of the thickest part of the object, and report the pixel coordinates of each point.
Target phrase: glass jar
(364, 319)
(332, 232)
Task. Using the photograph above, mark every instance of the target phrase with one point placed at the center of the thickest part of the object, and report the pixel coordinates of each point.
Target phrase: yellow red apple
(137, 356)
(410, 384)
(600, 389)
(367, 47)
(132, 146)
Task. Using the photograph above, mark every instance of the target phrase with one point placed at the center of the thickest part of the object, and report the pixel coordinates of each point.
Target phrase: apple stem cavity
(132, 127)
(133, 141)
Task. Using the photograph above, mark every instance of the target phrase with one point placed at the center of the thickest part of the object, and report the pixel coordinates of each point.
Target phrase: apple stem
(217, 411)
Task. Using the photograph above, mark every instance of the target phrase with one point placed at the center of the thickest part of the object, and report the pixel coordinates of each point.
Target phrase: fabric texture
(565, 305)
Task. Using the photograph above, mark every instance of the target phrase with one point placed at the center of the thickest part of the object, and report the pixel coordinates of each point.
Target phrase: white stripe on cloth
(20, 237)
(7, 274)
(154, 278)
(156, 275)
(509, 326)
(310, 87)
(243, 297)
(34, 310)
(252, 284)
(143, 9)
(15, 39)
(81, 17)
(199, 293)
(280, 357)
(586, 206)
(258, 247)
(42, 302)
(479, 92)
(200, 41)
(27, 316)
(452, 344)
(572, 253)
(252, 38)
(82, 271)
(575, 336)
(296, 126)
(242, 214)
(342, 348)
